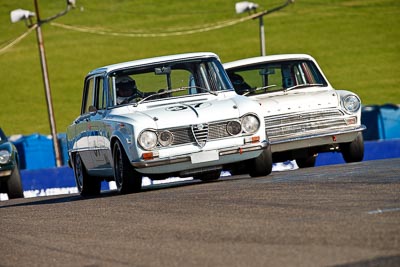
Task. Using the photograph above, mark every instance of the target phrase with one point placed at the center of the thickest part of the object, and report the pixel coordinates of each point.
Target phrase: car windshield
(166, 80)
(275, 76)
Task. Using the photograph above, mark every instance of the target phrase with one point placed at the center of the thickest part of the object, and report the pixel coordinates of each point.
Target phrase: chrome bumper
(187, 158)
(315, 139)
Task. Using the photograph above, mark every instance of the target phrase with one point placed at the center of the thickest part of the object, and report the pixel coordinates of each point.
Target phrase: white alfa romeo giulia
(167, 116)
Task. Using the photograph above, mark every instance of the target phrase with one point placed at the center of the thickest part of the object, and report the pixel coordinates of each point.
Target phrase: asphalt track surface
(337, 215)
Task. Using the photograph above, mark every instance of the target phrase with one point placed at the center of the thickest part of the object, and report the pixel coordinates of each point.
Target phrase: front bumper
(186, 162)
(315, 139)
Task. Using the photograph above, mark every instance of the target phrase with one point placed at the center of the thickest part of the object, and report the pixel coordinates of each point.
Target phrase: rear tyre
(353, 151)
(308, 162)
(87, 185)
(126, 178)
(14, 185)
(262, 165)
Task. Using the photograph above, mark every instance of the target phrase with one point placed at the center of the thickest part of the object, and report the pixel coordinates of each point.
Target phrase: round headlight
(250, 124)
(148, 140)
(4, 156)
(165, 138)
(351, 103)
(234, 127)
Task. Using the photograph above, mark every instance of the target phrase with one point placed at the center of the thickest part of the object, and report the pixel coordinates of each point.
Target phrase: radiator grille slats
(182, 136)
(304, 123)
(186, 135)
(217, 131)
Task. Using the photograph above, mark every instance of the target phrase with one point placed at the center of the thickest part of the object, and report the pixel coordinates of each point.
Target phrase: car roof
(153, 60)
(260, 59)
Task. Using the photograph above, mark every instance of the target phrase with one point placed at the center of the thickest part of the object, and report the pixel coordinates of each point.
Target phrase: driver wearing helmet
(126, 89)
(239, 84)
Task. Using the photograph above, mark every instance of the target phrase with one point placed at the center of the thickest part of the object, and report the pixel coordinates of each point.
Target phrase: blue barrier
(383, 122)
(373, 150)
(63, 176)
(43, 179)
(36, 151)
(47, 178)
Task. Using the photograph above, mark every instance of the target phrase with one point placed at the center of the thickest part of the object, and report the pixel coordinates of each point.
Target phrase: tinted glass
(88, 96)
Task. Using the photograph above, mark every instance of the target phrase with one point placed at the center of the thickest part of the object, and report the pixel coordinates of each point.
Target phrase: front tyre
(87, 185)
(210, 176)
(353, 151)
(14, 185)
(126, 178)
(262, 165)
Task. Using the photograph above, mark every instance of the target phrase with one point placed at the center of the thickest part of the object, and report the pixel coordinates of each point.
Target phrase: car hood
(297, 101)
(184, 113)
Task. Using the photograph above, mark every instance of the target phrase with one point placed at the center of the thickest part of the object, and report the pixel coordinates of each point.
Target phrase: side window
(101, 94)
(110, 90)
(88, 96)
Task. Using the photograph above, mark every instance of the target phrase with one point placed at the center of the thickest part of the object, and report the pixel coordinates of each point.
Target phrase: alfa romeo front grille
(199, 133)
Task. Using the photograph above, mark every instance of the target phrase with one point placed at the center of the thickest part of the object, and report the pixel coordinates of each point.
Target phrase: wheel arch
(128, 144)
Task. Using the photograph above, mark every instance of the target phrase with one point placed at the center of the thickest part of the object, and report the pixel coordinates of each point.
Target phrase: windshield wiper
(303, 85)
(183, 88)
(160, 93)
(202, 88)
(259, 88)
